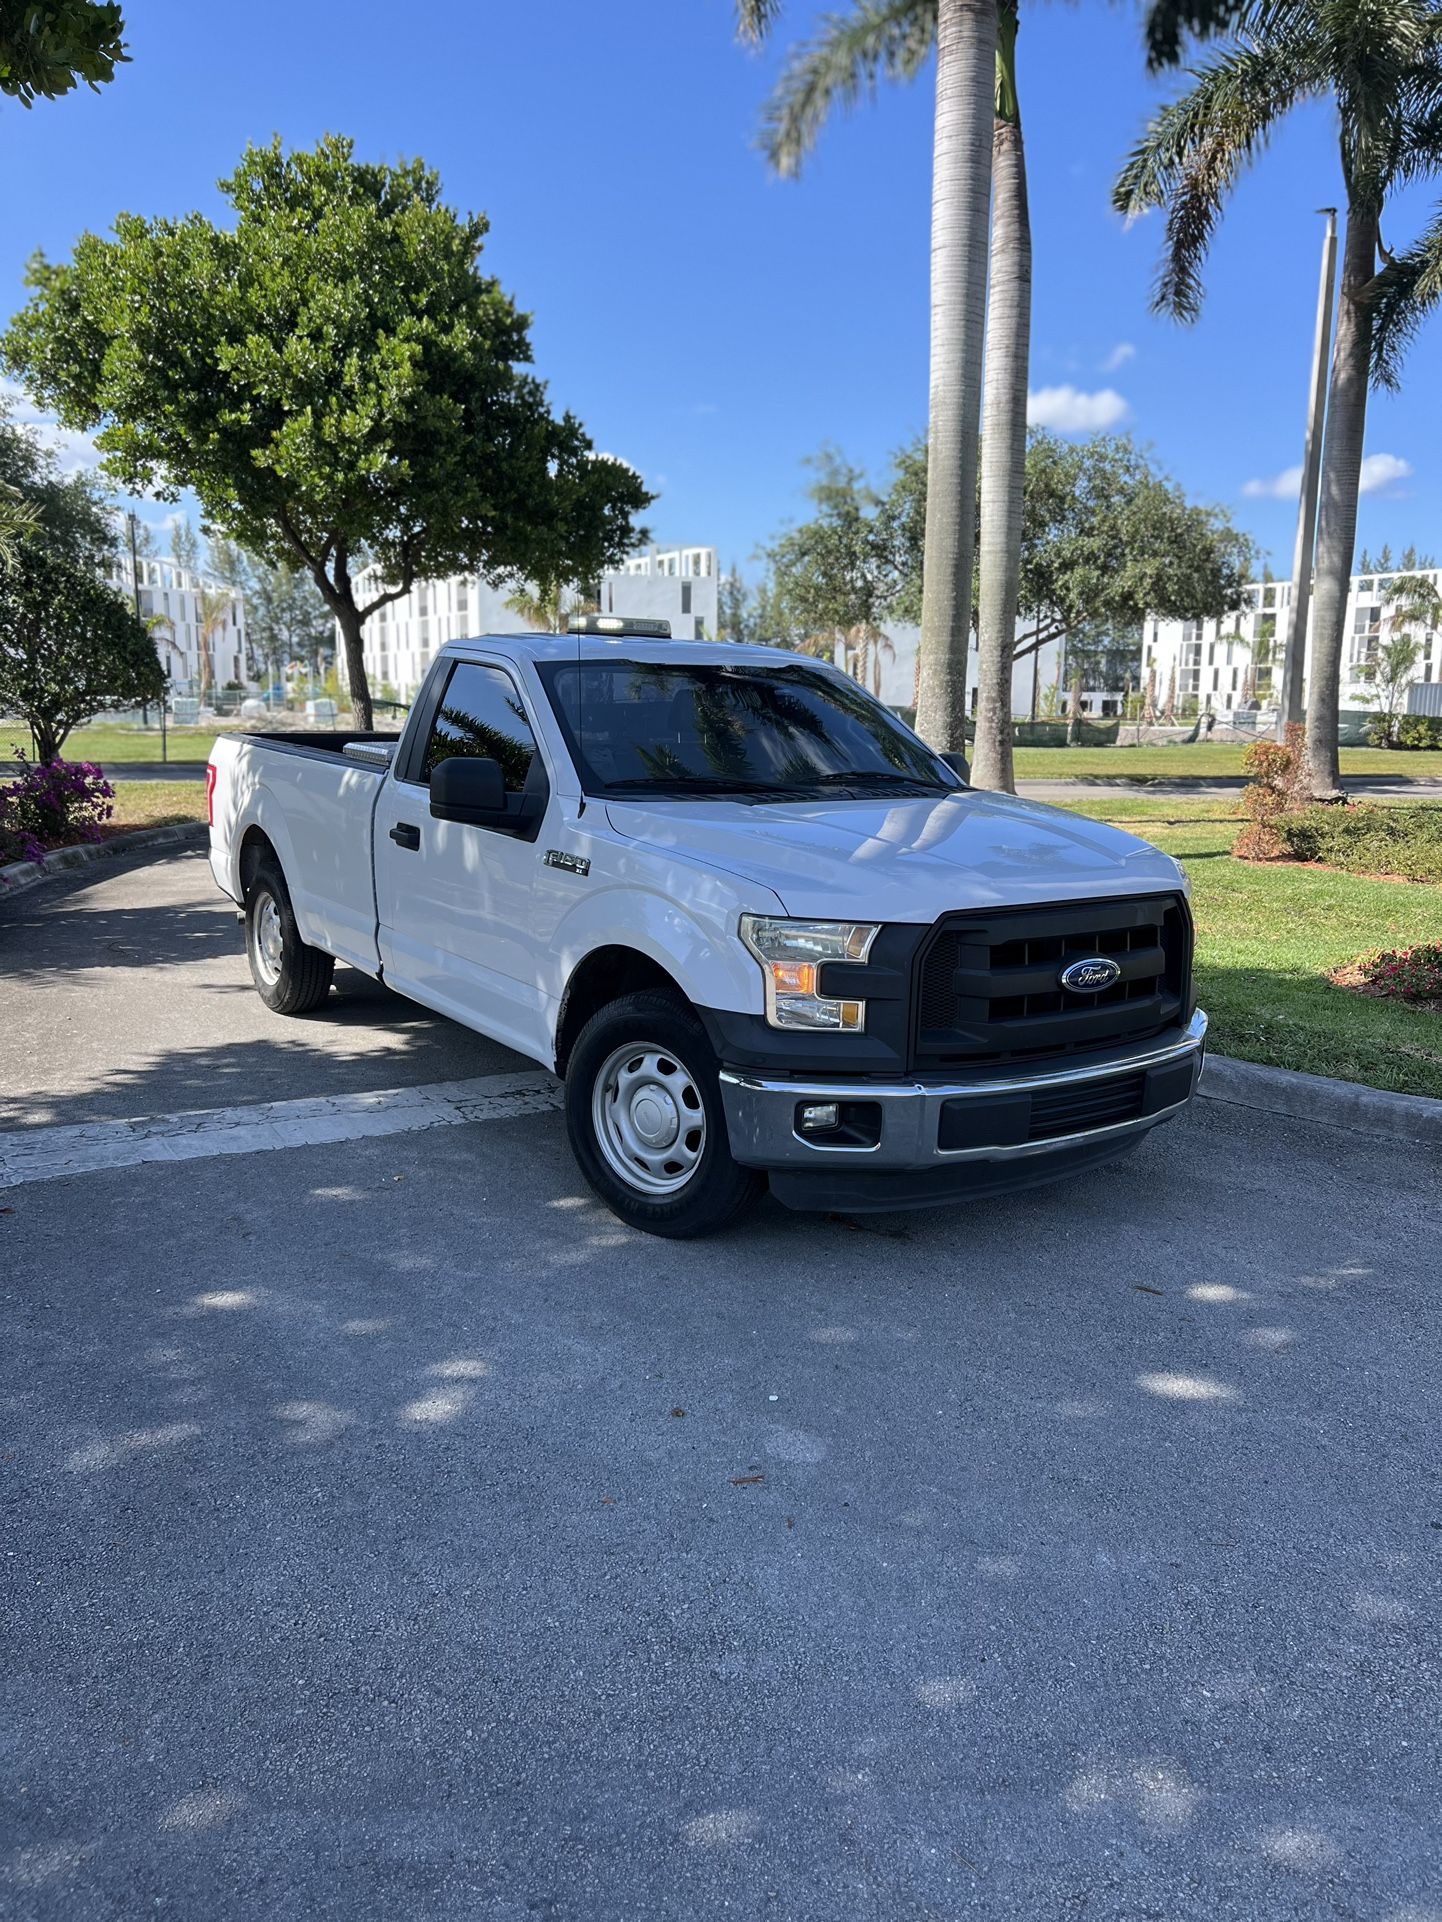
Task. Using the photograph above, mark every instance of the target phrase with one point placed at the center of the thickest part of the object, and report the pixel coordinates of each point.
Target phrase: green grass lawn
(1206, 758)
(1266, 937)
(106, 742)
(156, 804)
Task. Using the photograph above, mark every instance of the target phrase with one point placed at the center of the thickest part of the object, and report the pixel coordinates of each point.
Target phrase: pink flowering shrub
(1415, 973)
(52, 805)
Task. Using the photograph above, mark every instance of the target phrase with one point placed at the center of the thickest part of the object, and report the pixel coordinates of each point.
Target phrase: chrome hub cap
(269, 940)
(649, 1119)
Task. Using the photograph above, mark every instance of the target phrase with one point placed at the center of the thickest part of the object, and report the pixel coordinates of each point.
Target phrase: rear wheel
(644, 1114)
(289, 977)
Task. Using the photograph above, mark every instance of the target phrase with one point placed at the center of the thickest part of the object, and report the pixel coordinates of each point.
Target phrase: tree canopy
(69, 644)
(336, 380)
(1107, 538)
(47, 47)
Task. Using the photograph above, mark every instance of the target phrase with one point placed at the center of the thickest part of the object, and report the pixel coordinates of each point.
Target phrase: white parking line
(43, 1154)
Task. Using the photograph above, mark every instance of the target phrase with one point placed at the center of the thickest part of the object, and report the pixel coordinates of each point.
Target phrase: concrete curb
(1315, 1097)
(21, 875)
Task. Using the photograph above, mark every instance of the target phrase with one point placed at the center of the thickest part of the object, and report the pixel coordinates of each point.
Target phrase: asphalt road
(390, 1534)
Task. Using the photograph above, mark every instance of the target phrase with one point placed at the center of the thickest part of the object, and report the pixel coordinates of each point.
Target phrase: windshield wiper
(703, 784)
(881, 777)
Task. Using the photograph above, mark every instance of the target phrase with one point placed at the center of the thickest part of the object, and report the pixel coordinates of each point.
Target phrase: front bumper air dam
(954, 1140)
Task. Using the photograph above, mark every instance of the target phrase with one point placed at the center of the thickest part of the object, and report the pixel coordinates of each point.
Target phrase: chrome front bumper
(761, 1113)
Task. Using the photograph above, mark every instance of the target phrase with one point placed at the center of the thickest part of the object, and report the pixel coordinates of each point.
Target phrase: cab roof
(628, 647)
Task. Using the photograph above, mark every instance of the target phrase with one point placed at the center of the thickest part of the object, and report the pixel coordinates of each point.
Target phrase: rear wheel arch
(255, 846)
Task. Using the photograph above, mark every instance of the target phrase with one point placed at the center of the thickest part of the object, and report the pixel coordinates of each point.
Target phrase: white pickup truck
(762, 931)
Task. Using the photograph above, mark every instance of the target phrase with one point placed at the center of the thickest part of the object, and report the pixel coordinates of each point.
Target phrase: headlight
(792, 955)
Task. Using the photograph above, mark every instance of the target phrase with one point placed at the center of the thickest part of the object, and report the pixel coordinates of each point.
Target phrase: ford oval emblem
(1090, 976)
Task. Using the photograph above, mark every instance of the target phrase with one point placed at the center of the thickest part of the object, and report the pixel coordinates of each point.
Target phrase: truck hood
(903, 860)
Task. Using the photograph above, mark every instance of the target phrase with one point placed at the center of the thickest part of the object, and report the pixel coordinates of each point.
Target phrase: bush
(1414, 973)
(1271, 791)
(1419, 730)
(1404, 841)
(52, 805)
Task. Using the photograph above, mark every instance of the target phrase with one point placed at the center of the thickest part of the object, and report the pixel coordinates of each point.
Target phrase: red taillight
(210, 792)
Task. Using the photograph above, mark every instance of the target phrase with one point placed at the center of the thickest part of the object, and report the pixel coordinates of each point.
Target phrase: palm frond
(1402, 296)
(878, 38)
(1194, 151)
(1169, 22)
(754, 19)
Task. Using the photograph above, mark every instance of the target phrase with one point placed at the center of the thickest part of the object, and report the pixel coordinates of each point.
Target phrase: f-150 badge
(568, 863)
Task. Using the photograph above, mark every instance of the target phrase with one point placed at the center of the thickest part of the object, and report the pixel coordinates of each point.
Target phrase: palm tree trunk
(1341, 480)
(960, 205)
(1003, 432)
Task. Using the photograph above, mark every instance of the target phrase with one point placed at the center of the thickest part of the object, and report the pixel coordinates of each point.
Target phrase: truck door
(459, 906)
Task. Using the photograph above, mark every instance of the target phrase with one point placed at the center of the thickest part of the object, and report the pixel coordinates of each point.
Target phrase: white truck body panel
(476, 923)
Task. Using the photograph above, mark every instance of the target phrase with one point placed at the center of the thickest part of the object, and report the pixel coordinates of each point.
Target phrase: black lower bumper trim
(851, 1191)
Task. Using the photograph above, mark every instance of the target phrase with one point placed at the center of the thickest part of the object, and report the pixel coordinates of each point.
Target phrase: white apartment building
(172, 597)
(400, 640)
(675, 584)
(1034, 678)
(1212, 657)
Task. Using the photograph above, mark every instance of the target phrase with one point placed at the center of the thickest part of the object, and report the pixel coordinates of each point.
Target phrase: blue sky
(711, 324)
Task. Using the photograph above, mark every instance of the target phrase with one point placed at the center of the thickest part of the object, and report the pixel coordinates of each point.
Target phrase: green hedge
(1405, 841)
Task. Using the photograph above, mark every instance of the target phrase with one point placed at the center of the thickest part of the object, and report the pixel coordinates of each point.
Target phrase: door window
(481, 714)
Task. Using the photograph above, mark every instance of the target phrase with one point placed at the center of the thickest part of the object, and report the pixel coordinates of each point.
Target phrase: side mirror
(468, 788)
(959, 764)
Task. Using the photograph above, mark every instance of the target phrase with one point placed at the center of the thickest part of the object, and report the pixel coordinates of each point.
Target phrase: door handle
(405, 836)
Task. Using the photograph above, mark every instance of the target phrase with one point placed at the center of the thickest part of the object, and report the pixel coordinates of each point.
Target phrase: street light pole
(1292, 704)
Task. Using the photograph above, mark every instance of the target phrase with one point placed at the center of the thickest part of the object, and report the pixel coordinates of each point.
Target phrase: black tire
(297, 979)
(661, 1028)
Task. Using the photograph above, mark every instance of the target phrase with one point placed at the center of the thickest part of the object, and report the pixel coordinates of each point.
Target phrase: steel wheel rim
(649, 1118)
(268, 942)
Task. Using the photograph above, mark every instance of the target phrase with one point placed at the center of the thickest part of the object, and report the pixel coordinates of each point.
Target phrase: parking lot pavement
(391, 1534)
(129, 994)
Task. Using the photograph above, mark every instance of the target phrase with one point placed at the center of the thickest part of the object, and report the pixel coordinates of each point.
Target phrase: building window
(686, 598)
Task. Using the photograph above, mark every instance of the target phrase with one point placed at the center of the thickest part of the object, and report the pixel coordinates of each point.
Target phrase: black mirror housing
(958, 764)
(467, 787)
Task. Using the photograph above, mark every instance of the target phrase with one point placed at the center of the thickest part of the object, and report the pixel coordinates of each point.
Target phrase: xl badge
(1090, 976)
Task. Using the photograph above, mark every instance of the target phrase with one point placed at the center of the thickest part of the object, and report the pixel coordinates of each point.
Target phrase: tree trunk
(1341, 480)
(355, 667)
(1003, 432)
(960, 205)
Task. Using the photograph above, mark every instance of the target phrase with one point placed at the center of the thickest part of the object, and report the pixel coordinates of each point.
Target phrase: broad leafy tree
(336, 380)
(69, 644)
(48, 47)
(1378, 63)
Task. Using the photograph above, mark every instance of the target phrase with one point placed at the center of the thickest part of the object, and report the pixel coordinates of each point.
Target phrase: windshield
(749, 731)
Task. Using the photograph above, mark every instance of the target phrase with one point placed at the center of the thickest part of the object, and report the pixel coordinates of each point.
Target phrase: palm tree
(212, 612)
(1003, 435)
(1380, 64)
(893, 39)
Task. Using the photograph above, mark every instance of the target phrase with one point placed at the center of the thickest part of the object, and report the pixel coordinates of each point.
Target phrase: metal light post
(1292, 704)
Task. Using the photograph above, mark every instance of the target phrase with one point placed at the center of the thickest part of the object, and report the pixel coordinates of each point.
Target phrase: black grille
(990, 987)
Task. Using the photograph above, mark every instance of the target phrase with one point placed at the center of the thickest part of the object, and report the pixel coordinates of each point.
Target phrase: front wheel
(644, 1114)
(289, 977)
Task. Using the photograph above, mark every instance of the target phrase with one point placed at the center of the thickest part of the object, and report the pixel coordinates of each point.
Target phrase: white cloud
(1119, 356)
(1285, 486)
(1379, 471)
(74, 450)
(1071, 411)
